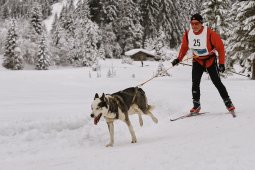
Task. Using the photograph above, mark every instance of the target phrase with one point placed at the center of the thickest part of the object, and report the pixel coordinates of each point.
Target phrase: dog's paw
(134, 141)
(141, 122)
(155, 120)
(109, 145)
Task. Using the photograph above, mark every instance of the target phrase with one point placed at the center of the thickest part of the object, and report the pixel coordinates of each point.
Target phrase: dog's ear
(96, 96)
(102, 97)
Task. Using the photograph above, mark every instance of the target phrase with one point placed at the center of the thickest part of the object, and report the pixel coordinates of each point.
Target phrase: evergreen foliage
(22, 8)
(43, 57)
(150, 9)
(161, 71)
(12, 57)
(241, 46)
(214, 13)
(36, 18)
(92, 29)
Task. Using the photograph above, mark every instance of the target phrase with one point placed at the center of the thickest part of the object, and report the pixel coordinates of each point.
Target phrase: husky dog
(120, 105)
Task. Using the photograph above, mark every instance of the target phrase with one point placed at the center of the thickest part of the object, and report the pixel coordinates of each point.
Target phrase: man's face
(196, 25)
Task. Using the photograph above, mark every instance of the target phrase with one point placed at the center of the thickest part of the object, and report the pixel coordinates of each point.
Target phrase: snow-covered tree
(46, 8)
(60, 45)
(172, 21)
(12, 56)
(149, 44)
(84, 50)
(101, 51)
(161, 71)
(150, 9)
(241, 46)
(109, 41)
(28, 48)
(160, 44)
(83, 47)
(36, 18)
(67, 19)
(82, 10)
(3, 35)
(128, 28)
(5, 12)
(214, 13)
(104, 12)
(43, 57)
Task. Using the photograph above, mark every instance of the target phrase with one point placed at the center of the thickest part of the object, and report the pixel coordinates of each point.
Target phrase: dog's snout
(92, 115)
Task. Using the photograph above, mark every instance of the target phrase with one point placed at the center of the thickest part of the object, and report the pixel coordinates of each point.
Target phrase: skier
(203, 42)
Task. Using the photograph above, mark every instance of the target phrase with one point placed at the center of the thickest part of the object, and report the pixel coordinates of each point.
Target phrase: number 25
(196, 42)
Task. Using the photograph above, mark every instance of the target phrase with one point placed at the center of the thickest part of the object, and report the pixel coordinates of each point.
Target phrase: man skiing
(204, 42)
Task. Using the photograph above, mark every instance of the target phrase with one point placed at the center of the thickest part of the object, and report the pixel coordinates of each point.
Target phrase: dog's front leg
(111, 132)
(132, 132)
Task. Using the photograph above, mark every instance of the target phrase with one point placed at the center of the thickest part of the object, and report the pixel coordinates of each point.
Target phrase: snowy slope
(56, 9)
(45, 122)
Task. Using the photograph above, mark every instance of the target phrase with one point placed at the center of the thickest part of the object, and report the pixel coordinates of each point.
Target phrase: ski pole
(186, 64)
(227, 70)
(140, 85)
(239, 73)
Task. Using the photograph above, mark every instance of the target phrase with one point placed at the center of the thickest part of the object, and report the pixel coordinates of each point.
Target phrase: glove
(221, 68)
(175, 61)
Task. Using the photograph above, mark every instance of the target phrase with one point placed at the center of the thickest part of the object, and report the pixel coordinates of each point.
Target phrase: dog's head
(99, 108)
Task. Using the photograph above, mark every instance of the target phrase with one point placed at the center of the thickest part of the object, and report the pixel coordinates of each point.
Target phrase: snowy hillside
(45, 122)
(56, 9)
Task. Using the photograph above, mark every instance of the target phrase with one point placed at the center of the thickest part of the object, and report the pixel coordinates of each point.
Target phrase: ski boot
(229, 105)
(196, 108)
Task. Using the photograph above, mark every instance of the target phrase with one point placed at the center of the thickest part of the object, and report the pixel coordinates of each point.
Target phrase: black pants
(197, 72)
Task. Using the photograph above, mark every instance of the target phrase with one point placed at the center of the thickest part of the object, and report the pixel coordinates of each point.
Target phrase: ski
(188, 115)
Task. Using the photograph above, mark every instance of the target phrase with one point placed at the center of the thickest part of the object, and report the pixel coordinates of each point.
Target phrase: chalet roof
(134, 51)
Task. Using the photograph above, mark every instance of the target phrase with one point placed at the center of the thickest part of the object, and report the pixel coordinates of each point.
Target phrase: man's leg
(215, 77)
(197, 72)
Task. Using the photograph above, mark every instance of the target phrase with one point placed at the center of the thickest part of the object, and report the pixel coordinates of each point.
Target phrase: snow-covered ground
(45, 121)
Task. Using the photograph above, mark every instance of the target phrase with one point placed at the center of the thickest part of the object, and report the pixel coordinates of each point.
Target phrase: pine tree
(150, 9)
(96, 10)
(36, 18)
(104, 12)
(109, 41)
(12, 57)
(172, 21)
(83, 47)
(43, 57)
(241, 46)
(46, 8)
(161, 71)
(128, 29)
(159, 45)
(214, 13)
(5, 13)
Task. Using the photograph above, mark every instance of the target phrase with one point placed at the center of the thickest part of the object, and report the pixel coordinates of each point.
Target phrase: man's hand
(175, 61)
(221, 68)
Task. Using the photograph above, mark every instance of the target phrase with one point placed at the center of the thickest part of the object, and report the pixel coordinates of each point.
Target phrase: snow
(134, 51)
(45, 121)
(56, 9)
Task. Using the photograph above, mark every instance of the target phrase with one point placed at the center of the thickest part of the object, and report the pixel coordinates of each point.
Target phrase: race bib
(198, 43)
